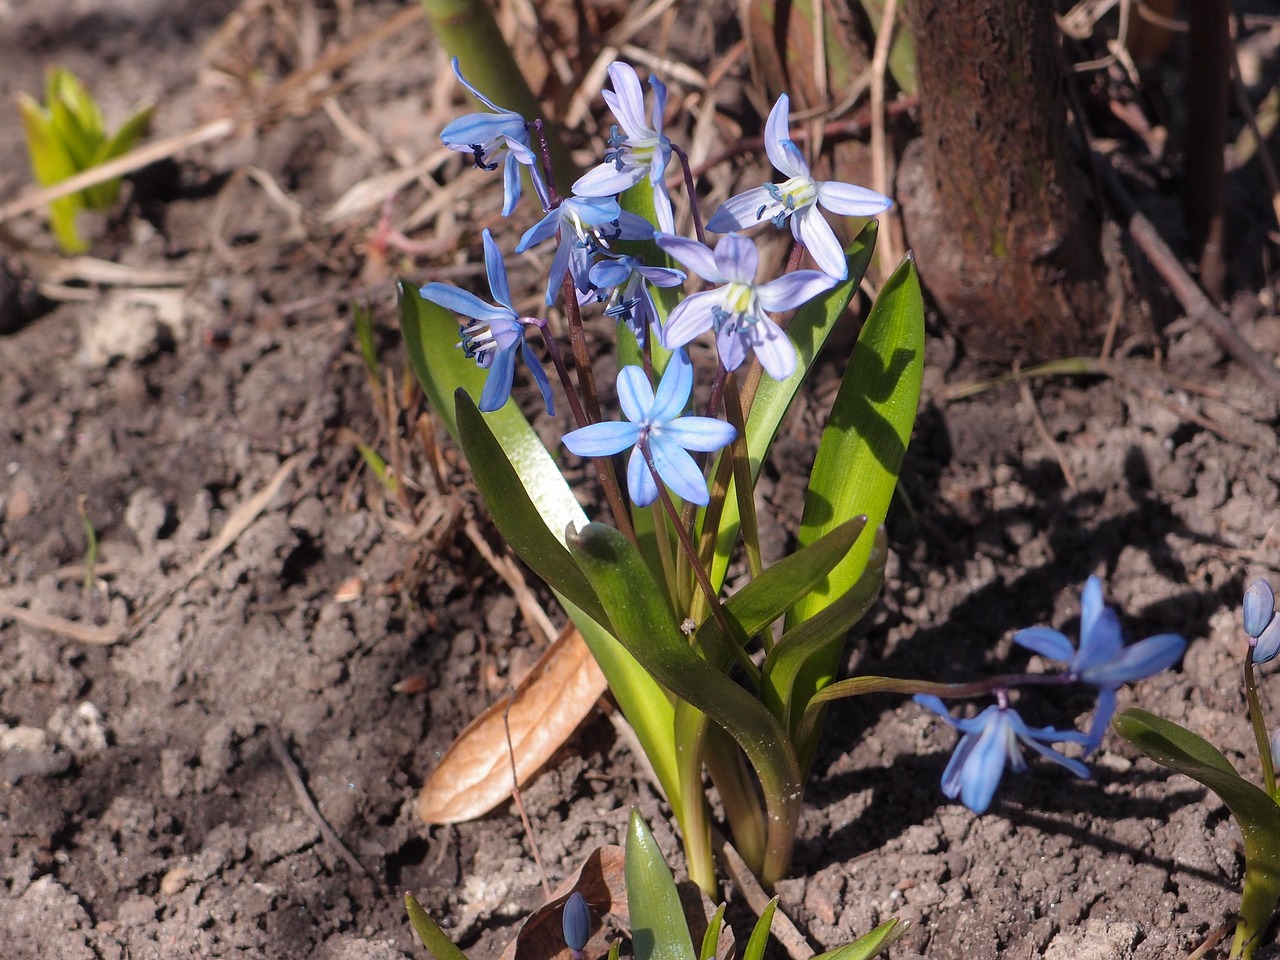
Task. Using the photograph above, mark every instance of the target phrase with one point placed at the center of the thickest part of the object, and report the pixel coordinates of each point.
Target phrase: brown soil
(147, 807)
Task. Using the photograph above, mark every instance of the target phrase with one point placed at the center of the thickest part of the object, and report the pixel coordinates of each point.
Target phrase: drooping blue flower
(654, 421)
(642, 152)
(1103, 660)
(586, 225)
(988, 742)
(1261, 622)
(797, 198)
(622, 281)
(486, 135)
(575, 920)
(737, 309)
(497, 333)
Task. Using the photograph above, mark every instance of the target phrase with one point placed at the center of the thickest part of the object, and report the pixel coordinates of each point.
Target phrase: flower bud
(1259, 607)
(576, 919)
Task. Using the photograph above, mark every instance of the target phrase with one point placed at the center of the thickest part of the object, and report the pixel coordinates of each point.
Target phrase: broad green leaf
(514, 513)
(645, 625)
(432, 937)
(101, 196)
(785, 662)
(1256, 814)
(760, 933)
(861, 451)
(659, 930)
(776, 590)
(869, 944)
(808, 330)
(430, 333)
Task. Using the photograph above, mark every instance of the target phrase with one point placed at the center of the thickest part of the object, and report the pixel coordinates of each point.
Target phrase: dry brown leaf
(602, 882)
(474, 775)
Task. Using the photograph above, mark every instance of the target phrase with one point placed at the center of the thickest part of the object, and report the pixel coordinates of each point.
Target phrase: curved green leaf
(433, 938)
(856, 468)
(760, 933)
(785, 662)
(869, 944)
(659, 930)
(768, 404)
(643, 622)
(1256, 814)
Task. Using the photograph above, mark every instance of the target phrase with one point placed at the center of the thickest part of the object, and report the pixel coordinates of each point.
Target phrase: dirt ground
(267, 628)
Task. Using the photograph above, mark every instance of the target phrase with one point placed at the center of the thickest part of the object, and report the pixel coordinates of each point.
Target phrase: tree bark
(1005, 234)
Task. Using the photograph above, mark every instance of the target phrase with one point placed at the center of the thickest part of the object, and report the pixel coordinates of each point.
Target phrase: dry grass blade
(98, 636)
(475, 774)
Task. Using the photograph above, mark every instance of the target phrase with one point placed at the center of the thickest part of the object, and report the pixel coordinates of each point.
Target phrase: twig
(1189, 295)
(519, 799)
(294, 774)
(791, 938)
(98, 636)
(888, 254)
(1024, 388)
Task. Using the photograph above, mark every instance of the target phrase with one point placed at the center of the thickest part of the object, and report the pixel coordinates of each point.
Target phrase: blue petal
(606, 180)
(497, 271)
(511, 185)
(955, 766)
(544, 229)
(984, 765)
(601, 439)
(696, 256)
(575, 919)
(1259, 607)
(849, 200)
(640, 481)
(774, 349)
(1269, 643)
(1100, 638)
(659, 102)
(929, 701)
(559, 267)
(1142, 659)
(463, 302)
(1046, 642)
(742, 211)
(737, 259)
(1102, 715)
(661, 198)
(678, 470)
(627, 99)
(632, 226)
(480, 128)
(692, 316)
(497, 386)
(792, 289)
(673, 389)
(703, 434)
(820, 240)
(777, 133)
(731, 346)
(539, 377)
(635, 394)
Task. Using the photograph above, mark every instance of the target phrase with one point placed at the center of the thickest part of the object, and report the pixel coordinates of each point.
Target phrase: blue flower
(497, 333)
(622, 280)
(988, 742)
(643, 151)
(1103, 660)
(575, 920)
(655, 423)
(485, 135)
(587, 225)
(796, 198)
(736, 310)
(1260, 621)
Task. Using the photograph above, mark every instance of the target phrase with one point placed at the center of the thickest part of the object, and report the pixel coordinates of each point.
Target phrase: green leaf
(711, 939)
(760, 933)
(432, 937)
(869, 944)
(808, 330)
(1256, 814)
(430, 333)
(776, 590)
(515, 515)
(787, 660)
(658, 927)
(102, 196)
(644, 624)
(856, 468)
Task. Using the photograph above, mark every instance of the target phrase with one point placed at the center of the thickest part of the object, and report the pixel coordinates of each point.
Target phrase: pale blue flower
(1103, 660)
(654, 421)
(988, 742)
(642, 152)
(797, 198)
(1261, 622)
(622, 281)
(586, 226)
(486, 135)
(737, 309)
(496, 334)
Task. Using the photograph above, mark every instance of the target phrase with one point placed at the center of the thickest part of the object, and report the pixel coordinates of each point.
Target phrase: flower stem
(1259, 724)
(742, 480)
(692, 193)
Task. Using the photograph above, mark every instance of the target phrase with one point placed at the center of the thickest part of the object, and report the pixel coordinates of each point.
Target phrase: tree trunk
(1005, 235)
